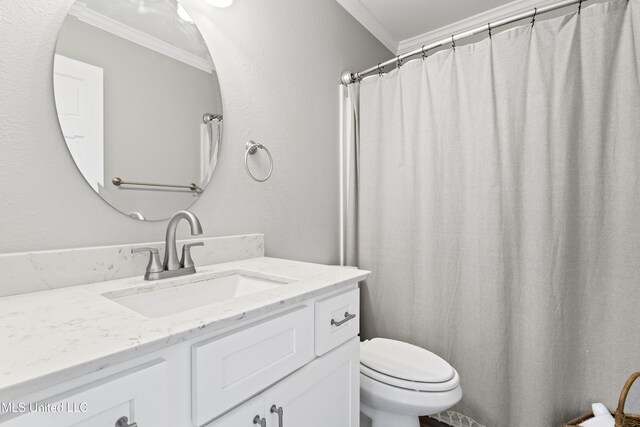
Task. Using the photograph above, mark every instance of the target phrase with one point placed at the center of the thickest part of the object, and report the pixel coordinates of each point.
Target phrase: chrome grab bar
(117, 181)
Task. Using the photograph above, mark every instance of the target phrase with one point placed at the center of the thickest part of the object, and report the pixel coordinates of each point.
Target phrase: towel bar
(119, 181)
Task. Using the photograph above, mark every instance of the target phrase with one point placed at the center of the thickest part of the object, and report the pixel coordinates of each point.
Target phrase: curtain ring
(453, 42)
(398, 61)
(358, 78)
(533, 20)
(489, 26)
(424, 54)
(579, 7)
(380, 72)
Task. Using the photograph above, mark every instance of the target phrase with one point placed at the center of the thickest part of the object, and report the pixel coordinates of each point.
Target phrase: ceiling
(403, 25)
(151, 23)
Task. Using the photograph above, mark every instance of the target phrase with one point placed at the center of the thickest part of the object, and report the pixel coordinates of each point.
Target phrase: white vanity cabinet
(232, 368)
(243, 416)
(303, 359)
(141, 395)
(326, 392)
(323, 393)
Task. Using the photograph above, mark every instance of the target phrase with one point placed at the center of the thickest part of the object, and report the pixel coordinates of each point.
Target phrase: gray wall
(278, 62)
(153, 107)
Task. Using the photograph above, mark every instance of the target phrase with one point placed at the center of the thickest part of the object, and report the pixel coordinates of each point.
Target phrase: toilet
(400, 382)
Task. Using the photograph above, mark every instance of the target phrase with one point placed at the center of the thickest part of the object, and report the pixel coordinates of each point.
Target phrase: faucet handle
(154, 266)
(187, 261)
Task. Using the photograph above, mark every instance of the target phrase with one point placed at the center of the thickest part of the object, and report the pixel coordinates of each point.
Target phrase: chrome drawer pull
(347, 317)
(261, 421)
(124, 422)
(280, 412)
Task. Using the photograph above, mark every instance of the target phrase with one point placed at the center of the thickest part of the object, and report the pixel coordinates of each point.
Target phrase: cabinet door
(324, 393)
(242, 416)
(230, 369)
(140, 395)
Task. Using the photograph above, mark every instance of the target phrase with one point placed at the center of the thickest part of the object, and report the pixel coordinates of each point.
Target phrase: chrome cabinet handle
(347, 317)
(187, 261)
(261, 421)
(124, 422)
(278, 410)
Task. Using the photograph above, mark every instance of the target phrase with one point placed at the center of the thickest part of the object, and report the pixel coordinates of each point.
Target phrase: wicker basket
(622, 419)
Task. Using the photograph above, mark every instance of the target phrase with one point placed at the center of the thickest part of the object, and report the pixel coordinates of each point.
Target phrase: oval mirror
(139, 103)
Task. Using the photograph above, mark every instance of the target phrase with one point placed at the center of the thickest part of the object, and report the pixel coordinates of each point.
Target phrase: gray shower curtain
(498, 207)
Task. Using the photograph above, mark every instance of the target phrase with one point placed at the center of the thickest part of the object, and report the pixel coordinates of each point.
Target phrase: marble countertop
(51, 336)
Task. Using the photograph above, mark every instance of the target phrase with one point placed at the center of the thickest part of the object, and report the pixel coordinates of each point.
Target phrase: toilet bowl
(400, 382)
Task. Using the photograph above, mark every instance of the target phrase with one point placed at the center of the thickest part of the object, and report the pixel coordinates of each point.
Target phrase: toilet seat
(410, 385)
(406, 366)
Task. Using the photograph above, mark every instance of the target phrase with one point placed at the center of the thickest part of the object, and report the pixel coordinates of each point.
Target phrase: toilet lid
(409, 385)
(404, 361)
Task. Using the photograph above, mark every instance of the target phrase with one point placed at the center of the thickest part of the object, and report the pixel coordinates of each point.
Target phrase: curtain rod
(348, 77)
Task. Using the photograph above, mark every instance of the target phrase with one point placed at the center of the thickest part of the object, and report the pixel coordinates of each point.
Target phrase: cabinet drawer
(140, 395)
(337, 319)
(232, 368)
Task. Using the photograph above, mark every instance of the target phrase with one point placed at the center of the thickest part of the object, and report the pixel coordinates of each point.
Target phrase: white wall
(279, 63)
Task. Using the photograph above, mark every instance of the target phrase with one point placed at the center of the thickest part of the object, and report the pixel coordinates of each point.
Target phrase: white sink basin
(163, 298)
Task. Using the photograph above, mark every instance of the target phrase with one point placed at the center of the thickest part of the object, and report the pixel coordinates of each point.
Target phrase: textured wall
(279, 63)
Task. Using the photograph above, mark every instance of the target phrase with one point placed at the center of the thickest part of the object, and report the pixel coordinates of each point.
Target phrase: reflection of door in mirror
(79, 101)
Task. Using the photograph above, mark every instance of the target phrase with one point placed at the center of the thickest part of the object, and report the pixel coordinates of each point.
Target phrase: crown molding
(98, 20)
(492, 15)
(364, 17)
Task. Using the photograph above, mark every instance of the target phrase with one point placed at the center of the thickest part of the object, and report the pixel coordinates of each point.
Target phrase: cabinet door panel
(231, 369)
(140, 395)
(324, 393)
(242, 416)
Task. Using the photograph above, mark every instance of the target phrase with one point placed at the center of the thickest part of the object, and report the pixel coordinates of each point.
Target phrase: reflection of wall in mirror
(152, 117)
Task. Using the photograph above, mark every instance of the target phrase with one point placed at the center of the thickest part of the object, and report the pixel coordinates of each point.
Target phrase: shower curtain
(498, 207)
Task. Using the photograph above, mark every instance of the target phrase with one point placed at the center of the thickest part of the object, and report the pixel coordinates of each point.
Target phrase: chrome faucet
(171, 267)
(170, 251)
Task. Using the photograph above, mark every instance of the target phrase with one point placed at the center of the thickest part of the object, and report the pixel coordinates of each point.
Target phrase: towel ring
(252, 148)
